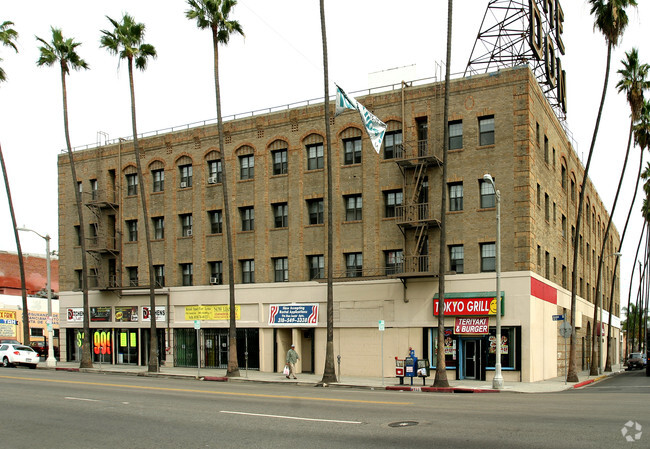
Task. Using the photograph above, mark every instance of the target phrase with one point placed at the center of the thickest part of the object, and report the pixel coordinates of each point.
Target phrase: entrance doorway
(471, 358)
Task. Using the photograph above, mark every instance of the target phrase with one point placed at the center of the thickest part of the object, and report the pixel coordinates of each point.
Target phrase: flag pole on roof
(375, 128)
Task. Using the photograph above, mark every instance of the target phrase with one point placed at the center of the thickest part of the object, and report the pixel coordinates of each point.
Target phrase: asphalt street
(45, 408)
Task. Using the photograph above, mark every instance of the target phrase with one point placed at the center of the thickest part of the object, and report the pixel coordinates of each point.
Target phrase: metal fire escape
(417, 214)
(102, 243)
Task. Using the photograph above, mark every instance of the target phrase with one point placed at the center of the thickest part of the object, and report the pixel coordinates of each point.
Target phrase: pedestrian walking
(292, 358)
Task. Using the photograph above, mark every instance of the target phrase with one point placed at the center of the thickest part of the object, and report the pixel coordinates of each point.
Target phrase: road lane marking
(291, 417)
(219, 393)
(81, 399)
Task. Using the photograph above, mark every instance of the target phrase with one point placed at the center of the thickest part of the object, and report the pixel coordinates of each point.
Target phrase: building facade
(386, 228)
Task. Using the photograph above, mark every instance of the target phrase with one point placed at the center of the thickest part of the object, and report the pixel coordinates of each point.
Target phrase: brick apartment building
(386, 212)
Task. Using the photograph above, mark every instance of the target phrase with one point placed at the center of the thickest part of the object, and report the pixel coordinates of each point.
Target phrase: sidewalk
(374, 383)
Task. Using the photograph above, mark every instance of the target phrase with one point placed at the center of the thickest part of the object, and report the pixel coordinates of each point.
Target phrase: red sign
(468, 306)
(471, 326)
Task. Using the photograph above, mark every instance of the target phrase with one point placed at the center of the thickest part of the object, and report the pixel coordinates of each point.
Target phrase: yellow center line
(191, 390)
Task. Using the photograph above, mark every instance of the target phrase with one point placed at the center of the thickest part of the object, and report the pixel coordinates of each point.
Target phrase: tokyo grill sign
(293, 314)
(474, 305)
(471, 326)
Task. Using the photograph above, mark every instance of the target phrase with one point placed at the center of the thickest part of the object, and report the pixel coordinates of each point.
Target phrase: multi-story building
(386, 210)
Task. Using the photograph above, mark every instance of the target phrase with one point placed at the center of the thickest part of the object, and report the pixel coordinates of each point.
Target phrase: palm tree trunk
(572, 374)
(21, 264)
(86, 356)
(329, 373)
(629, 320)
(639, 299)
(608, 360)
(233, 364)
(441, 368)
(153, 338)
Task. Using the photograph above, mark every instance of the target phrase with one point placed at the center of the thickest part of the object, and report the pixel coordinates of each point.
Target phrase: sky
(278, 62)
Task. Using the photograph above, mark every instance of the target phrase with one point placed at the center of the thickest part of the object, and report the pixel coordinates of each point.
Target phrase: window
(248, 271)
(573, 190)
(316, 267)
(158, 180)
(456, 196)
(394, 261)
(392, 199)
(131, 184)
(539, 255)
(486, 130)
(247, 215)
(132, 273)
(353, 207)
(158, 228)
(247, 167)
(457, 258)
(79, 277)
(488, 257)
(564, 276)
(281, 215)
(80, 186)
(354, 265)
(185, 172)
(315, 156)
(488, 197)
(215, 172)
(553, 157)
(281, 269)
(77, 231)
(186, 225)
(36, 332)
(352, 151)
(546, 154)
(563, 177)
(94, 189)
(547, 207)
(422, 125)
(393, 144)
(315, 209)
(216, 273)
(216, 219)
(456, 135)
(563, 226)
(279, 162)
(159, 275)
(132, 230)
(187, 273)
(537, 133)
(539, 195)
(92, 233)
(554, 212)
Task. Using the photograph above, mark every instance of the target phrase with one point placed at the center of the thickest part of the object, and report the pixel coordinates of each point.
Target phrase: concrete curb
(595, 379)
(215, 379)
(443, 389)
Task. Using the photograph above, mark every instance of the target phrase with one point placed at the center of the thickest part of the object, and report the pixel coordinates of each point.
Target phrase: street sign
(382, 325)
(197, 324)
(565, 329)
(558, 317)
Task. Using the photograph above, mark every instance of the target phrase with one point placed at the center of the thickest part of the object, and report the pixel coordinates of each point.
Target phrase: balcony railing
(415, 213)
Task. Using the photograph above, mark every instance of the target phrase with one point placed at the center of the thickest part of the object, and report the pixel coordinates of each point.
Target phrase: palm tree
(329, 373)
(640, 108)
(213, 15)
(633, 83)
(611, 20)
(7, 37)
(127, 41)
(63, 52)
(441, 367)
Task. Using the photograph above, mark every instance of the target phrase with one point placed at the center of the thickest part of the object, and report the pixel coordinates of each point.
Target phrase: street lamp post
(600, 323)
(497, 381)
(51, 360)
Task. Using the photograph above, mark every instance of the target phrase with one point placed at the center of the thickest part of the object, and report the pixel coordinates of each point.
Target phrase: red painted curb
(67, 369)
(442, 389)
(583, 383)
(216, 379)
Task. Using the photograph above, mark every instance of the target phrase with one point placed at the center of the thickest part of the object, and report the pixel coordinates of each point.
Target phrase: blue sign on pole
(558, 317)
(293, 314)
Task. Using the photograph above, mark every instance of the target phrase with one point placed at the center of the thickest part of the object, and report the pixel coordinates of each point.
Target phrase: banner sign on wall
(161, 314)
(471, 326)
(469, 304)
(75, 314)
(126, 314)
(213, 312)
(293, 314)
(102, 314)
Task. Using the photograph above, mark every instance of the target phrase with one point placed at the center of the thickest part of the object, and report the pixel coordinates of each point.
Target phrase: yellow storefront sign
(4, 315)
(213, 312)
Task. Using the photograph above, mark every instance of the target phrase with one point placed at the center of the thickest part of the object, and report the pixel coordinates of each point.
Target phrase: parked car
(635, 360)
(10, 342)
(42, 348)
(12, 355)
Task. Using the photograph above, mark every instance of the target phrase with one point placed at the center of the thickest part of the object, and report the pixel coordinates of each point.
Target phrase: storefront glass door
(127, 346)
(470, 358)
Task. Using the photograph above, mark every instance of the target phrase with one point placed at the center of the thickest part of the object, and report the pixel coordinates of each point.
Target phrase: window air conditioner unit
(188, 233)
(212, 180)
(214, 280)
(183, 184)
